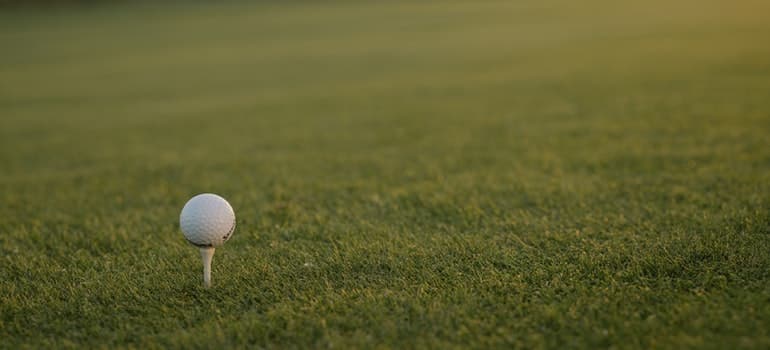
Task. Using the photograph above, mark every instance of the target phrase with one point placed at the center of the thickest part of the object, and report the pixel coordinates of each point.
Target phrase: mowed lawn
(433, 174)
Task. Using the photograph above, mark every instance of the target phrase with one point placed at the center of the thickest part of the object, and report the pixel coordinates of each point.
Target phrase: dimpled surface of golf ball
(207, 220)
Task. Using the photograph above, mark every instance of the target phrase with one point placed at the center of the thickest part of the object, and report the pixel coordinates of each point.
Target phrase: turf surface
(405, 174)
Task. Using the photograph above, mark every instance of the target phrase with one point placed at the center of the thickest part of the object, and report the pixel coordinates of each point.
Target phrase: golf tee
(206, 255)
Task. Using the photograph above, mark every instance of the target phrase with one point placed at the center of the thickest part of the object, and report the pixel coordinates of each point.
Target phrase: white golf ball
(207, 220)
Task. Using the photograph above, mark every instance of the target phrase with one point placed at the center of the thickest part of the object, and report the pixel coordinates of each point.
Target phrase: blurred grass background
(405, 174)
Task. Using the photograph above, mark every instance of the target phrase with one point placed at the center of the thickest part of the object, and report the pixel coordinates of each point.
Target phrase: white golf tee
(207, 254)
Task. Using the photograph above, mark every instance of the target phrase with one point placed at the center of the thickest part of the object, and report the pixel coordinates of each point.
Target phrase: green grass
(405, 175)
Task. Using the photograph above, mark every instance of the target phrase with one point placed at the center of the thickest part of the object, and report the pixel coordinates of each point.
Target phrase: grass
(405, 175)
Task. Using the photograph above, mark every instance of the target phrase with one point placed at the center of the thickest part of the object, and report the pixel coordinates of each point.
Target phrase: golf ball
(207, 220)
